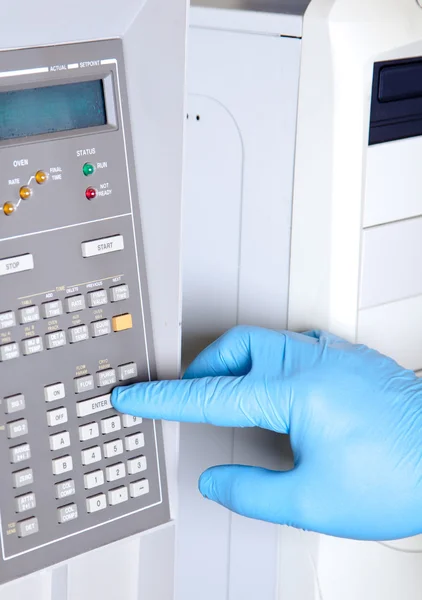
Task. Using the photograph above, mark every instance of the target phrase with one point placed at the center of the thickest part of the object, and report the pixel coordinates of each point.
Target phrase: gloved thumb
(255, 492)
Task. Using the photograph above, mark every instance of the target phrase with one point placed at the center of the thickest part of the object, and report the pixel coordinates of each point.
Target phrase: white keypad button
(135, 441)
(32, 345)
(93, 479)
(28, 527)
(67, 513)
(119, 293)
(115, 472)
(7, 319)
(106, 377)
(96, 503)
(56, 339)
(128, 371)
(75, 303)
(57, 417)
(16, 264)
(129, 421)
(17, 429)
(139, 488)
(52, 309)
(136, 465)
(113, 448)
(105, 245)
(65, 489)
(111, 425)
(53, 392)
(25, 502)
(60, 440)
(14, 403)
(62, 465)
(118, 496)
(9, 352)
(100, 328)
(23, 478)
(94, 405)
(91, 455)
(78, 334)
(29, 314)
(97, 298)
(84, 384)
(89, 432)
(20, 453)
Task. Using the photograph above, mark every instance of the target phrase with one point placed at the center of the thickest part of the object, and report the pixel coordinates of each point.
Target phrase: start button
(105, 245)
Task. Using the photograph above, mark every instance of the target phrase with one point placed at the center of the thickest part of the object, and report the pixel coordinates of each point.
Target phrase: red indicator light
(91, 193)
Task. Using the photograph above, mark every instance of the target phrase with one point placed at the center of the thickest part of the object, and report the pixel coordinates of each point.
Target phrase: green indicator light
(88, 169)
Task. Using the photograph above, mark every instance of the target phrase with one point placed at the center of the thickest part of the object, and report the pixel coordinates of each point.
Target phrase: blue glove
(354, 419)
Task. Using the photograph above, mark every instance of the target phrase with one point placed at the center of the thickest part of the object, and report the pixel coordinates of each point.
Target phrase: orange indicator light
(8, 208)
(25, 193)
(41, 177)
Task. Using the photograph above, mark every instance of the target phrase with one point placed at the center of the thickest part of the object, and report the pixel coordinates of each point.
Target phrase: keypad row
(70, 511)
(101, 501)
(86, 383)
(57, 339)
(91, 431)
(87, 432)
(59, 416)
(135, 465)
(23, 478)
(111, 449)
(55, 308)
(117, 496)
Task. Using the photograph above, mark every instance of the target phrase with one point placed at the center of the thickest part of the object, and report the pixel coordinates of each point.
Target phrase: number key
(111, 424)
(93, 479)
(113, 448)
(130, 421)
(115, 472)
(135, 441)
(91, 455)
(89, 432)
(96, 503)
(137, 465)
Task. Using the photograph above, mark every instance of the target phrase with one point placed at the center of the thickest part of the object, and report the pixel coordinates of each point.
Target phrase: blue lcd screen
(52, 109)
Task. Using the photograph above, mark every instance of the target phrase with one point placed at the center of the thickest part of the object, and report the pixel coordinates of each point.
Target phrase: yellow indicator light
(41, 177)
(25, 193)
(8, 208)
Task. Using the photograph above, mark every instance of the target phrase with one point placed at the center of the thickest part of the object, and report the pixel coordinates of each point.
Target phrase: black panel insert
(396, 109)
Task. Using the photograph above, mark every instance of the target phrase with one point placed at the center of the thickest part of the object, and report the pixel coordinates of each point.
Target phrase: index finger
(213, 400)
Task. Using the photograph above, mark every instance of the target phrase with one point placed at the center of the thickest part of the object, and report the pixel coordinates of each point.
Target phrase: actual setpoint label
(105, 245)
(16, 264)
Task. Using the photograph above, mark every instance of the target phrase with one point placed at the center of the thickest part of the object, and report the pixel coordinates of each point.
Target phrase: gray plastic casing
(52, 225)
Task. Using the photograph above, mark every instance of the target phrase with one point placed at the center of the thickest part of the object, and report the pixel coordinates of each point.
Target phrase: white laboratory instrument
(303, 209)
(91, 118)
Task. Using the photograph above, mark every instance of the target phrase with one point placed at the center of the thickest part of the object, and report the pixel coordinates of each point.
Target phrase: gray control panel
(74, 319)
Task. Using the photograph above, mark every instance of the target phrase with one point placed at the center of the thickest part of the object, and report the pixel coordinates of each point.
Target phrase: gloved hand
(354, 419)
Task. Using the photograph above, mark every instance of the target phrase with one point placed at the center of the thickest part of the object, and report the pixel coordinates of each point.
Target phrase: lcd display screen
(52, 109)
